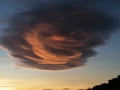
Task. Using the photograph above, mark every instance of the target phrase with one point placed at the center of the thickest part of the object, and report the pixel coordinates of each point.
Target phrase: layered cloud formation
(56, 36)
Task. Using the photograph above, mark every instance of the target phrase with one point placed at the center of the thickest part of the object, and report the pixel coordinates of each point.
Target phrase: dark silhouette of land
(113, 84)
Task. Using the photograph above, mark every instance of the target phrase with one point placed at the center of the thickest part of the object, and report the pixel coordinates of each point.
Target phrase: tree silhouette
(113, 84)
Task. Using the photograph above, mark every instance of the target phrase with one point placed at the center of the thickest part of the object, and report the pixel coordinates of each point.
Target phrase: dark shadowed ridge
(113, 84)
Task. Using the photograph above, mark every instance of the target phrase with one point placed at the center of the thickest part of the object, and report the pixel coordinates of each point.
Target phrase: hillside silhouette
(113, 84)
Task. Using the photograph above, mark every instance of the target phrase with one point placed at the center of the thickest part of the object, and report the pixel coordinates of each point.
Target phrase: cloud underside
(57, 37)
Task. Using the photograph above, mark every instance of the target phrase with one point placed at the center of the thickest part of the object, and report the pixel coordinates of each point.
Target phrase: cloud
(66, 89)
(47, 89)
(56, 36)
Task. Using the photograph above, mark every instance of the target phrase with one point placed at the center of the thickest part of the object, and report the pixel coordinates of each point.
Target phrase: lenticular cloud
(57, 36)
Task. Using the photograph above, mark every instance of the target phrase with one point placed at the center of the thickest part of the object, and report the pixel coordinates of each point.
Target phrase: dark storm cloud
(56, 36)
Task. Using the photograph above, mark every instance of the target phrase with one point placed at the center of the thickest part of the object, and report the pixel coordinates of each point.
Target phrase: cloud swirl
(56, 37)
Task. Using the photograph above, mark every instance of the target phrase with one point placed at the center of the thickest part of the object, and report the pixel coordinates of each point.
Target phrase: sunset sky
(98, 69)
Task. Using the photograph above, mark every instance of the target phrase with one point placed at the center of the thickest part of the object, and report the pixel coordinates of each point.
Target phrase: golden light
(6, 88)
(6, 85)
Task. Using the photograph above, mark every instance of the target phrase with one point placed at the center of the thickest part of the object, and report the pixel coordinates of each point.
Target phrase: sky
(89, 72)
